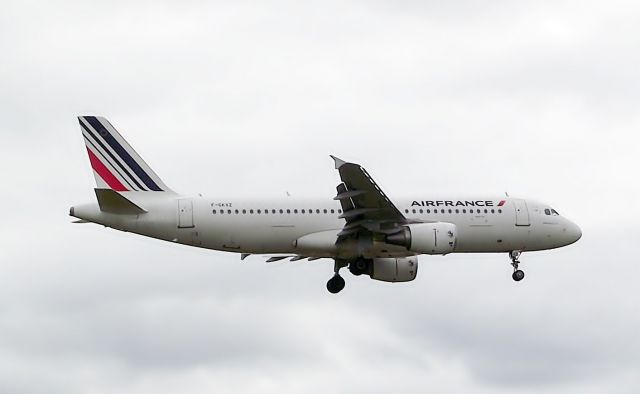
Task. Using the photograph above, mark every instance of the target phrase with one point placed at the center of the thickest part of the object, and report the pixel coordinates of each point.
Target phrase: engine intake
(427, 238)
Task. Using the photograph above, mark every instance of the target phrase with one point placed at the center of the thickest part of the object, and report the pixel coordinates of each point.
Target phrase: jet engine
(387, 269)
(427, 238)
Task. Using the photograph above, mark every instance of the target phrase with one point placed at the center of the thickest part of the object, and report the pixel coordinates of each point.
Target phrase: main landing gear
(517, 275)
(357, 267)
(336, 284)
(360, 266)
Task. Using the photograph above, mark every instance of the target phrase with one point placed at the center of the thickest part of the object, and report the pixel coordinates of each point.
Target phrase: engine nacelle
(389, 269)
(427, 238)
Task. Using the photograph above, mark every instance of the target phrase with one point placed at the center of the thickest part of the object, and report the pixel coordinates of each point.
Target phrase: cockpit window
(554, 212)
(547, 212)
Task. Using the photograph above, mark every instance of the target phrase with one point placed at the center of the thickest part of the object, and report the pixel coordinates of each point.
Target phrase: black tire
(359, 267)
(354, 270)
(335, 284)
(518, 275)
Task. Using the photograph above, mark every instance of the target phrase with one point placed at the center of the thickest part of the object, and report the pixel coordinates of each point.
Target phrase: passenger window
(288, 211)
(333, 211)
(339, 210)
(229, 212)
(421, 211)
(237, 211)
(464, 211)
(295, 211)
(214, 211)
(303, 211)
(413, 210)
(428, 211)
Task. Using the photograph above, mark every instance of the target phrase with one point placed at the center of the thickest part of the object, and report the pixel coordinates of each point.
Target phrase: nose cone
(573, 233)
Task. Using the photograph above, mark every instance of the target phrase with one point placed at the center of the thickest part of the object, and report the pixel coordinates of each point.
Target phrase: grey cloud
(241, 98)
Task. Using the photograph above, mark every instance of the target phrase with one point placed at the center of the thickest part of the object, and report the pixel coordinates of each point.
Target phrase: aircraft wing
(365, 207)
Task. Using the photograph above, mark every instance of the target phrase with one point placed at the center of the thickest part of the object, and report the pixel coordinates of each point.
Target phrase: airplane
(360, 228)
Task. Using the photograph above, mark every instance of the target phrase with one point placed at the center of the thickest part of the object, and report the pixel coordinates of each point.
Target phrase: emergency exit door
(185, 213)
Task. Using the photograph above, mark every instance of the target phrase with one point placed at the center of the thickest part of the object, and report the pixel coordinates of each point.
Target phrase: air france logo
(450, 203)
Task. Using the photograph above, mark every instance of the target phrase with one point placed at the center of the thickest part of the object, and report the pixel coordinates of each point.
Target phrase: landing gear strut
(336, 284)
(517, 275)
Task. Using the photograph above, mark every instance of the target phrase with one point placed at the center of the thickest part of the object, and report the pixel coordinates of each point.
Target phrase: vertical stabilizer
(116, 165)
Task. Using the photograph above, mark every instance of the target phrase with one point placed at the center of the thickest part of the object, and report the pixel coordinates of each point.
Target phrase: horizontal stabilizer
(113, 202)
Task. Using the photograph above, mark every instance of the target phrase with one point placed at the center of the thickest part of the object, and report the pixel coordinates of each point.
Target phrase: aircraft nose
(574, 233)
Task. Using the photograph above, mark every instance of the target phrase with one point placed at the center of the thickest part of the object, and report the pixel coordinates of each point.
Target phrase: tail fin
(116, 165)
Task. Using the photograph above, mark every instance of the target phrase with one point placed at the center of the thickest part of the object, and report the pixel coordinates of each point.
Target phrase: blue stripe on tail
(124, 155)
(111, 155)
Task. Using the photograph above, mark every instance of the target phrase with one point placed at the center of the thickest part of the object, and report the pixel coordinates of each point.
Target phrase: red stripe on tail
(105, 174)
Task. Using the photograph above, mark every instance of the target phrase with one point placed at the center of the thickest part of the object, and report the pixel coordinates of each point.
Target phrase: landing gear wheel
(359, 267)
(335, 284)
(518, 275)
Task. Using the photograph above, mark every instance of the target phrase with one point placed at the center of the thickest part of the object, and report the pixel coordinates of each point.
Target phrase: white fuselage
(273, 227)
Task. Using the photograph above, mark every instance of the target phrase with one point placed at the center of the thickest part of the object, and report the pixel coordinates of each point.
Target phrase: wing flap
(349, 194)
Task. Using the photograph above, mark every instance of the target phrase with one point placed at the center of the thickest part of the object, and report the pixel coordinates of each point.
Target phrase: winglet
(339, 162)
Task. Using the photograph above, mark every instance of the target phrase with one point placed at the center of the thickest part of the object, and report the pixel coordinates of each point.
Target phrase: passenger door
(522, 212)
(185, 213)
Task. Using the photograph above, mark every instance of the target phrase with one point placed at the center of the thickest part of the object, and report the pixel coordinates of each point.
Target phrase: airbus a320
(360, 228)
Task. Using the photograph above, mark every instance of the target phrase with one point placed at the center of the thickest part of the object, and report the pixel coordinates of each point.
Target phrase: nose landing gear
(518, 274)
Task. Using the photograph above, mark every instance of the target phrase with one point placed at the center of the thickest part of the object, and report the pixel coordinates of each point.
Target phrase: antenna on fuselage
(506, 194)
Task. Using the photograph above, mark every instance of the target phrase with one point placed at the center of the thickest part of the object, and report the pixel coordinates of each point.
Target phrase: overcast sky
(249, 98)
